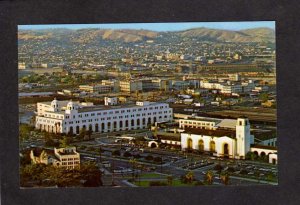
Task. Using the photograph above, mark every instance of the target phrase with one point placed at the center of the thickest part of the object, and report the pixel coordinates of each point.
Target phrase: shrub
(91, 149)
(149, 157)
(137, 156)
(218, 167)
(127, 154)
(157, 159)
(116, 153)
(82, 147)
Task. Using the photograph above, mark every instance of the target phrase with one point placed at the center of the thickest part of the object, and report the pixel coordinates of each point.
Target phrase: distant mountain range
(130, 36)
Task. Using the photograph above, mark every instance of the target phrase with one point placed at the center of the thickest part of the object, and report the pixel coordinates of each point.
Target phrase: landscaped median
(157, 179)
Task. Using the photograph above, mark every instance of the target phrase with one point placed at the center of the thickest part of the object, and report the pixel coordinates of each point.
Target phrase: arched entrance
(144, 121)
(189, 144)
(225, 150)
(212, 146)
(201, 145)
(149, 120)
(96, 128)
(152, 144)
(71, 130)
(77, 129)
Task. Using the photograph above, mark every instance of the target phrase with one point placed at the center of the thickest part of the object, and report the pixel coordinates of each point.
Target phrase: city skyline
(159, 27)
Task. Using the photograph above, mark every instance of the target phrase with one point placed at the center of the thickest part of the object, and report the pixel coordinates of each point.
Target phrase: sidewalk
(254, 180)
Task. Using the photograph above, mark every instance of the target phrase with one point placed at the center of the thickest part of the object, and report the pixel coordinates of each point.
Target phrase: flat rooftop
(203, 119)
(107, 107)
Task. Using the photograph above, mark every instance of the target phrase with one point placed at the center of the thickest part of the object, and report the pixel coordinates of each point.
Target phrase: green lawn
(176, 182)
(152, 175)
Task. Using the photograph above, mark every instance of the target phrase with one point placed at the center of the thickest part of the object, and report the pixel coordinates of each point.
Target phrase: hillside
(128, 36)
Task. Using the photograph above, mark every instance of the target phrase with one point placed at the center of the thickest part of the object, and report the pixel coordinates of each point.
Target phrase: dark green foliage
(157, 183)
(116, 153)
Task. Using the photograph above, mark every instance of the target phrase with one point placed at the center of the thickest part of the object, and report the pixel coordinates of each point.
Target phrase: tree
(116, 153)
(225, 178)
(190, 177)
(170, 180)
(65, 142)
(157, 159)
(209, 177)
(251, 156)
(127, 154)
(263, 97)
(89, 134)
(149, 157)
(82, 133)
(24, 131)
(218, 167)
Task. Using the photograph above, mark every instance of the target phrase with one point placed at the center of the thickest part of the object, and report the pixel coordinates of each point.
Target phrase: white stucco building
(67, 116)
(232, 143)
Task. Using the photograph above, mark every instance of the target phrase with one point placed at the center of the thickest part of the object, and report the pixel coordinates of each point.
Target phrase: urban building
(66, 158)
(130, 86)
(115, 84)
(71, 117)
(96, 88)
(224, 138)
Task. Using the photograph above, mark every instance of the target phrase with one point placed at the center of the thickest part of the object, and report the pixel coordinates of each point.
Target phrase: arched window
(201, 145)
(96, 128)
(132, 122)
(102, 126)
(226, 149)
(144, 121)
(71, 130)
(121, 124)
(149, 120)
(190, 143)
(212, 146)
(138, 122)
(126, 123)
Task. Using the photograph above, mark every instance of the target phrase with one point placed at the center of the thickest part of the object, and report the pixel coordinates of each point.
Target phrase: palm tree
(209, 177)
(190, 176)
(225, 178)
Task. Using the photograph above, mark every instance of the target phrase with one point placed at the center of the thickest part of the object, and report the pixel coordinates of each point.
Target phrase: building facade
(71, 117)
(66, 158)
(220, 142)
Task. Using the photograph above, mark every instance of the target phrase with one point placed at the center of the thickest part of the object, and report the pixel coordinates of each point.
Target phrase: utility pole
(113, 174)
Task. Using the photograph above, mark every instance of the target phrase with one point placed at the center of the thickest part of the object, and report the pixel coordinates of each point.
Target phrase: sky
(160, 26)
